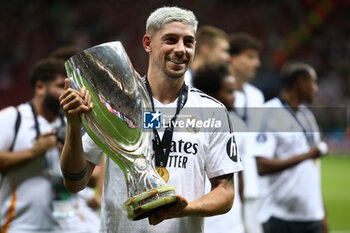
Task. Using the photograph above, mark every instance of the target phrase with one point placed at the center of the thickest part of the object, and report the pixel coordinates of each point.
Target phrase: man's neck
(45, 113)
(239, 81)
(291, 99)
(164, 89)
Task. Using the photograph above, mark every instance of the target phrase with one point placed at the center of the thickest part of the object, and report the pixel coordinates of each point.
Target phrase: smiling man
(170, 44)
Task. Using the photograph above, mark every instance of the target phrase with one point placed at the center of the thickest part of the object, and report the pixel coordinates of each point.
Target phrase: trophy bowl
(116, 125)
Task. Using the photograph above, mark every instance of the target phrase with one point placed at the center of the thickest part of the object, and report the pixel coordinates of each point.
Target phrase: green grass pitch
(336, 191)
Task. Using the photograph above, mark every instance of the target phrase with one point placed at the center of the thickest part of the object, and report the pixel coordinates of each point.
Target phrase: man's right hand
(318, 150)
(45, 142)
(74, 103)
(314, 153)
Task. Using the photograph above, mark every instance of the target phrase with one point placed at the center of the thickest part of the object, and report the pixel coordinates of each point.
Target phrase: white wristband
(322, 148)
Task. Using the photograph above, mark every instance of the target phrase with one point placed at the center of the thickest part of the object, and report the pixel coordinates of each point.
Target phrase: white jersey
(246, 102)
(27, 192)
(232, 221)
(295, 193)
(205, 154)
(189, 78)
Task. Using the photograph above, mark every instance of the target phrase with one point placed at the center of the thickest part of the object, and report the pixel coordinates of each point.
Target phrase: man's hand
(314, 152)
(94, 202)
(171, 211)
(75, 102)
(45, 142)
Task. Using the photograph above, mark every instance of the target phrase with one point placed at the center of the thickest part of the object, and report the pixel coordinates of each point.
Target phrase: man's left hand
(172, 211)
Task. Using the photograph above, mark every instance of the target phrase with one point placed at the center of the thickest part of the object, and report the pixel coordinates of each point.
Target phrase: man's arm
(75, 168)
(269, 166)
(10, 160)
(218, 201)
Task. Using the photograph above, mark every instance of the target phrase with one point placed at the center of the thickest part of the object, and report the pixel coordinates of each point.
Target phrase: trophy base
(143, 204)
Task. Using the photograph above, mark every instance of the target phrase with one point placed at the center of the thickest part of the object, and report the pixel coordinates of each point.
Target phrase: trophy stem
(142, 205)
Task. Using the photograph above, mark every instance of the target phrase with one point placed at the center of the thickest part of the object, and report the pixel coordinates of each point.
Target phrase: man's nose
(179, 48)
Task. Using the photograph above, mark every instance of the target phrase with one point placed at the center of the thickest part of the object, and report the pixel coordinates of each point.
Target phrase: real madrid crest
(191, 126)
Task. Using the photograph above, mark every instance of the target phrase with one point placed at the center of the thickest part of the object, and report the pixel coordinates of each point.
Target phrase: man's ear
(40, 87)
(147, 43)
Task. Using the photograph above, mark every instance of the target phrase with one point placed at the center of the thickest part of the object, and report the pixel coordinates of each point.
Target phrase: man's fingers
(181, 201)
(88, 100)
(52, 132)
(66, 83)
(156, 217)
(168, 211)
(80, 109)
(66, 93)
(83, 92)
(73, 100)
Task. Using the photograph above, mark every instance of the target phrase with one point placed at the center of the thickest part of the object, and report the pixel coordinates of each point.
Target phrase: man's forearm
(10, 160)
(218, 201)
(269, 166)
(75, 168)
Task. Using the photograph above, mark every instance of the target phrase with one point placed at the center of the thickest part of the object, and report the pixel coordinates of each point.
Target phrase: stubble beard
(51, 104)
(173, 75)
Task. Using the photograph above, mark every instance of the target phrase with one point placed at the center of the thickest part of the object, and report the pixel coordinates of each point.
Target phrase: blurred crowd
(313, 31)
(319, 31)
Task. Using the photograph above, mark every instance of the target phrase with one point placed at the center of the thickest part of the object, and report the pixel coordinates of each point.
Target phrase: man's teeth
(177, 61)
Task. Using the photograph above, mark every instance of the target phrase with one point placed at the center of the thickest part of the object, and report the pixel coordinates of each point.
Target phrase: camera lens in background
(61, 134)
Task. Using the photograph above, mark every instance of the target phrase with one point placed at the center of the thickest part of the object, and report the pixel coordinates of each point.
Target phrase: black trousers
(276, 225)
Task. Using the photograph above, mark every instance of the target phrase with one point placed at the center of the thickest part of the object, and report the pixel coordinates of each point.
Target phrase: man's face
(219, 53)
(172, 48)
(54, 89)
(226, 93)
(308, 87)
(246, 63)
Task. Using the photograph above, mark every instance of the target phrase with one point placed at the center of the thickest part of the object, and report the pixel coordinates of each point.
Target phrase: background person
(32, 195)
(212, 47)
(216, 80)
(245, 61)
(288, 149)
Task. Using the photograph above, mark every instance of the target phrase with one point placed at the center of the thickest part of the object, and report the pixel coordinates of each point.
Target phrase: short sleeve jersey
(246, 103)
(233, 219)
(295, 193)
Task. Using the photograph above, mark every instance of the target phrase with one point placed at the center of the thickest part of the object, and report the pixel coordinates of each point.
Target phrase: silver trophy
(116, 123)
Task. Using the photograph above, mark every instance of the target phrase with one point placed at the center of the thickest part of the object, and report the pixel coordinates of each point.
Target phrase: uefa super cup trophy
(115, 124)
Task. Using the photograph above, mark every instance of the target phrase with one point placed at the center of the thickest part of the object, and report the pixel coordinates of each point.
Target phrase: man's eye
(189, 42)
(170, 39)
